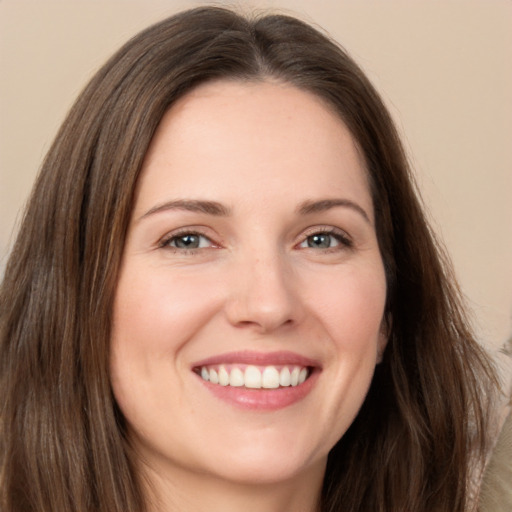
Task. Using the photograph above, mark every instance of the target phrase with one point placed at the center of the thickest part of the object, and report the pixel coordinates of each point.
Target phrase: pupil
(319, 240)
(187, 241)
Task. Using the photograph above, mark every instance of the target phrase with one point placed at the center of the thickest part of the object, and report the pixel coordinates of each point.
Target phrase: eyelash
(344, 241)
(165, 242)
(340, 236)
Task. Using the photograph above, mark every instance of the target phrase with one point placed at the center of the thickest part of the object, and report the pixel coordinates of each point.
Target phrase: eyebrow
(309, 207)
(191, 205)
(218, 209)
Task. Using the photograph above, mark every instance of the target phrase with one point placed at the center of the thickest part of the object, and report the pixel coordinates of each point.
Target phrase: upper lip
(282, 357)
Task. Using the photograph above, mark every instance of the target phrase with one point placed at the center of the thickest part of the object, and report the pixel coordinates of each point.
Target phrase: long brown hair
(63, 443)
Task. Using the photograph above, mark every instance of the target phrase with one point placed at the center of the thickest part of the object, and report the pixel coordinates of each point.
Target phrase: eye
(187, 241)
(329, 239)
(320, 241)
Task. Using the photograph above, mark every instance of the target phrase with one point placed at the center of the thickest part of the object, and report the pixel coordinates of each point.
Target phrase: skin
(257, 282)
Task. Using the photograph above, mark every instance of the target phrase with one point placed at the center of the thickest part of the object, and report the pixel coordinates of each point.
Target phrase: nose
(263, 294)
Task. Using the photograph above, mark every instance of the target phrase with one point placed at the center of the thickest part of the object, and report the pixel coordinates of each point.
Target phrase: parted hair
(63, 442)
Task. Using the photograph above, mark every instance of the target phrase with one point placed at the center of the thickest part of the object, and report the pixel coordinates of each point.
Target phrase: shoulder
(496, 490)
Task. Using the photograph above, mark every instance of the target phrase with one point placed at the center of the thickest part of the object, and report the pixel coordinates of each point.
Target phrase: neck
(173, 492)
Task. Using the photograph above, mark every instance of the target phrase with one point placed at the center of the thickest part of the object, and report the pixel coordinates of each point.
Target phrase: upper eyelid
(333, 230)
(345, 241)
(165, 239)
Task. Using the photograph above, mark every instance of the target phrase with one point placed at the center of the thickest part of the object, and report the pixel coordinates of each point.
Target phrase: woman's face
(251, 264)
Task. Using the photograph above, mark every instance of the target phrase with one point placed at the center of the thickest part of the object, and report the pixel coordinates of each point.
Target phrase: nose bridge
(263, 291)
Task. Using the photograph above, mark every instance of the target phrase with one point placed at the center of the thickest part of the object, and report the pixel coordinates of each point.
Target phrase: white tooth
(214, 377)
(303, 375)
(294, 378)
(223, 376)
(284, 377)
(270, 378)
(252, 377)
(236, 377)
(205, 374)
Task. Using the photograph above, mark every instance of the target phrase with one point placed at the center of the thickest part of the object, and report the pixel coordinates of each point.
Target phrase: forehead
(244, 134)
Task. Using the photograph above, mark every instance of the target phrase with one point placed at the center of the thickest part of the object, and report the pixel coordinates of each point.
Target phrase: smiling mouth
(255, 377)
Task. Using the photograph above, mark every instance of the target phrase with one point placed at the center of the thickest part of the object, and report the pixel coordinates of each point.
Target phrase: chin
(267, 467)
(266, 474)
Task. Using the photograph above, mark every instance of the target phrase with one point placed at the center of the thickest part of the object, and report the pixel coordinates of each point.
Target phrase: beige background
(443, 67)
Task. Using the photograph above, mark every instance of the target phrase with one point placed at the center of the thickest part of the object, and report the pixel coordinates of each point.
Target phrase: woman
(224, 293)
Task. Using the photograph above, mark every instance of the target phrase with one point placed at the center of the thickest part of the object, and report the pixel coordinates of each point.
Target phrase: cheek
(155, 316)
(351, 309)
(351, 304)
(154, 312)
(352, 314)
(154, 319)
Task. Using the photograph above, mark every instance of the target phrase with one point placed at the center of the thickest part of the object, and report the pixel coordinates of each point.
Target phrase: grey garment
(496, 490)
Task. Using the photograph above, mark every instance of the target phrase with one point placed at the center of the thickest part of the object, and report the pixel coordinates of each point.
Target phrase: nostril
(264, 325)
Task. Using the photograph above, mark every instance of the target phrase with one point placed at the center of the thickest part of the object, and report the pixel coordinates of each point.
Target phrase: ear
(384, 333)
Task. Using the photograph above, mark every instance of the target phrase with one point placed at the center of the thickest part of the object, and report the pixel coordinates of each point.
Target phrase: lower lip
(262, 399)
